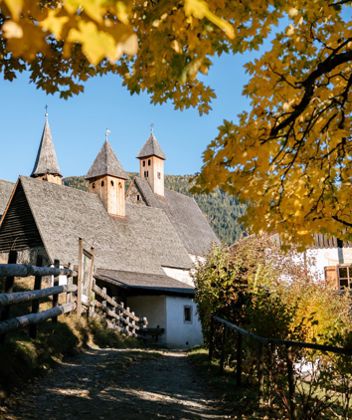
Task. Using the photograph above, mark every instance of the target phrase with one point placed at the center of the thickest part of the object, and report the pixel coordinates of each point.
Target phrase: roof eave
(92, 177)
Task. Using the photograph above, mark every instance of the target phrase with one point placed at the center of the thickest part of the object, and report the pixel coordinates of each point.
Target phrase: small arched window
(93, 185)
(102, 183)
(138, 197)
(149, 162)
(112, 183)
(159, 175)
(143, 162)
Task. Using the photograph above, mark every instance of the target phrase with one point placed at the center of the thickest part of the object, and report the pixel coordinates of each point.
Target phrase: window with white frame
(187, 314)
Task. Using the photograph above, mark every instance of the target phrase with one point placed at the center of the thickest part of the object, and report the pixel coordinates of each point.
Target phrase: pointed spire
(151, 147)
(46, 161)
(106, 163)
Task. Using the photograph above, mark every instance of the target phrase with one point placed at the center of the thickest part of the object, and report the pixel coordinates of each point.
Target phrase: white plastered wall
(319, 258)
(178, 332)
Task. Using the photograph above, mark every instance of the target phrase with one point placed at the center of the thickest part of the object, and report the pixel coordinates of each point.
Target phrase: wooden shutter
(331, 276)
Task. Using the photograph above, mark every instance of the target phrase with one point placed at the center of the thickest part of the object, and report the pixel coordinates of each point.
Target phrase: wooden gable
(18, 229)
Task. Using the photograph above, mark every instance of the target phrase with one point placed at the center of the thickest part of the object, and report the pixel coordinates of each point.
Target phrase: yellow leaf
(128, 46)
(12, 29)
(95, 44)
(54, 24)
(199, 9)
(121, 12)
(15, 7)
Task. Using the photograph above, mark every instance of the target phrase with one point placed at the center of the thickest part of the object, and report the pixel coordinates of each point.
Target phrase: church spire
(46, 166)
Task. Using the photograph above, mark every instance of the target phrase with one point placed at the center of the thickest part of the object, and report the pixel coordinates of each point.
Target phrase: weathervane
(107, 134)
(152, 128)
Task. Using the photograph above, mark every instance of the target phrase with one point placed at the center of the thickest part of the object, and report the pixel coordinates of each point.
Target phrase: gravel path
(118, 384)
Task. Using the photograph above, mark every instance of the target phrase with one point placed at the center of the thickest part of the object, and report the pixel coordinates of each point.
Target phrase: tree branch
(309, 85)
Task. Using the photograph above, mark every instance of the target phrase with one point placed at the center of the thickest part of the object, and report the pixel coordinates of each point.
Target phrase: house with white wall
(330, 260)
(145, 239)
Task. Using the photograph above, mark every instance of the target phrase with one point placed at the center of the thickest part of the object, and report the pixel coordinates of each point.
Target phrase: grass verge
(241, 401)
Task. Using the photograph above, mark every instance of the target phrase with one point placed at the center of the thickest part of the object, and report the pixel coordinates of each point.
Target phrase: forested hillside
(221, 209)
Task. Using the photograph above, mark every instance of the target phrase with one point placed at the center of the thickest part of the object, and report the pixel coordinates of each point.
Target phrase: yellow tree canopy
(289, 157)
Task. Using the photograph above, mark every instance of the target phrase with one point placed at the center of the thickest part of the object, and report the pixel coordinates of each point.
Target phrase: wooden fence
(9, 298)
(117, 315)
(98, 302)
(264, 345)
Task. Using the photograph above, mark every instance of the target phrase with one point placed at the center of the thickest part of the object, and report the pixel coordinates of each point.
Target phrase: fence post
(69, 296)
(211, 338)
(80, 277)
(260, 367)
(8, 288)
(271, 356)
(35, 305)
(56, 283)
(291, 384)
(91, 279)
(239, 360)
(223, 345)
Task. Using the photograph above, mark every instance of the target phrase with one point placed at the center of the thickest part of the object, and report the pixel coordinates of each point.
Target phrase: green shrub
(258, 287)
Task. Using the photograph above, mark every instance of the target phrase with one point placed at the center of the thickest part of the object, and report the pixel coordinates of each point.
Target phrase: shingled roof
(46, 161)
(151, 148)
(151, 282)
(189, 221)
(6, 188)
(106, 163)
(143, 242)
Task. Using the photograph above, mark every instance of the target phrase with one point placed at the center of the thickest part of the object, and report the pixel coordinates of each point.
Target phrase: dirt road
(118, 384)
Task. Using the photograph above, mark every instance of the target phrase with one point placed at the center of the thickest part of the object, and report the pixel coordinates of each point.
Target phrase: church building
(146, 237)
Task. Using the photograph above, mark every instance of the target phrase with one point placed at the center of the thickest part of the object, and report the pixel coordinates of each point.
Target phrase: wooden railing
(264, 344)
(117, 315)
(9, 298)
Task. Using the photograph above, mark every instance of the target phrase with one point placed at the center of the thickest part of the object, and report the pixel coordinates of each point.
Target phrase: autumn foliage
(288, 158)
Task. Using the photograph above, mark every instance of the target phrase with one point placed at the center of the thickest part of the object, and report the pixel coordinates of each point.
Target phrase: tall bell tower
(151, 164)
(107, 179)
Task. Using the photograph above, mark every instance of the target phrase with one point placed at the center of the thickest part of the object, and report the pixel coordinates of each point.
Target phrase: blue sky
(78, 124)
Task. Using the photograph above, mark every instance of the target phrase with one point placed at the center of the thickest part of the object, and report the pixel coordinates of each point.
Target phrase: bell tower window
(149, 162)
(112, 183)
(102, 183)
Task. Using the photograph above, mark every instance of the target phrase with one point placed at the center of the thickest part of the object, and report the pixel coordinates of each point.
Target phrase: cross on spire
(152, 128)
(107, 134)
(46, 111)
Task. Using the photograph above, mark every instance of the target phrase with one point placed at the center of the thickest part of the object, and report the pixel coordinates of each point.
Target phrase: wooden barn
(145, 240)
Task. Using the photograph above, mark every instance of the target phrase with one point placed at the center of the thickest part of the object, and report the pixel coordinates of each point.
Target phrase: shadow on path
(119, 384)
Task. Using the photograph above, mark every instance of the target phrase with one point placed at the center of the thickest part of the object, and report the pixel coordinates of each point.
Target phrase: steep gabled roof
(106, 163)
(189, 221)
(143, 242)
(6, 188)
(151, 148)
(46, 161)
